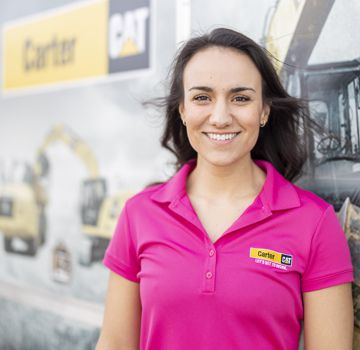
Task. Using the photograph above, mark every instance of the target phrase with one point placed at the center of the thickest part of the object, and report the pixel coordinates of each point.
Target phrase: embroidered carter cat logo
(271, 258)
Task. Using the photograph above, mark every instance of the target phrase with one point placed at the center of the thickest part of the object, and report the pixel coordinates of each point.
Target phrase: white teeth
(221, 137)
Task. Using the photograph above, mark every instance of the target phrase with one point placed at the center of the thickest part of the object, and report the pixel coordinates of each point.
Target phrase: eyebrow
(233, 90)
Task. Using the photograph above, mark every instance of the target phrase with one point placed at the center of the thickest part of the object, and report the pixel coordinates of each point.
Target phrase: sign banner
(94, 39)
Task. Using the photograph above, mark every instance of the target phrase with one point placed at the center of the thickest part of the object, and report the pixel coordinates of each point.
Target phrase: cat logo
(129, 35)
(286, 259)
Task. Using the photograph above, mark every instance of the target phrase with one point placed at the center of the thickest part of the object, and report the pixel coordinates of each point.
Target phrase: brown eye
(201, 98)
(241, 98)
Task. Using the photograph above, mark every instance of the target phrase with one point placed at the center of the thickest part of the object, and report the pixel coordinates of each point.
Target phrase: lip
(222, 133)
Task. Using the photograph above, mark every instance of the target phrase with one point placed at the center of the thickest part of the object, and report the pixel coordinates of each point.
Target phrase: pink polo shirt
(244, 291)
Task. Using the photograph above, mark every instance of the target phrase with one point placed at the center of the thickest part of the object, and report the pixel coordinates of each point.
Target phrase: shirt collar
(277, 193)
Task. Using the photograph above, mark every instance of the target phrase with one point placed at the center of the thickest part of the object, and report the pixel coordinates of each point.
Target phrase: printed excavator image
(333, 169)
(23, 202)
(332, 91)
(22, 207)
(333, 94)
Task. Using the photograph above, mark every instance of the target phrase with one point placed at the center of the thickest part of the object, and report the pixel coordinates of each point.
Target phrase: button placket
(210, 268)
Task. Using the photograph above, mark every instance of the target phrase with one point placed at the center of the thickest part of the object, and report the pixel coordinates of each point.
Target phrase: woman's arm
(329, 318)
(122, 317)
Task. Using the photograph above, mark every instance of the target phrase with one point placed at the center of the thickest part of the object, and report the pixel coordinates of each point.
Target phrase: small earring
(183, 121)
(262, 124)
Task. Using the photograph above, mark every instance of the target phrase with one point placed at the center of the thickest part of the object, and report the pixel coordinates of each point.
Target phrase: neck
(239, 180)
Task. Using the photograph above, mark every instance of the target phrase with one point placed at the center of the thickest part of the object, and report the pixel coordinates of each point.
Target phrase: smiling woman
(197, 261)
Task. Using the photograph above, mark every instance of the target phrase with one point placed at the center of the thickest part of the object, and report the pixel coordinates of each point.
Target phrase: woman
(228, 253)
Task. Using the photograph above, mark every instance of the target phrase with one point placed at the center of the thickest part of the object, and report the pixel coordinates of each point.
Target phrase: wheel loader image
(23, 203)
(332, 92)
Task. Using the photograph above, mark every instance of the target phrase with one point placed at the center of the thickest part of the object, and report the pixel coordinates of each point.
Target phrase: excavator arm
(64, 134)
(294, 29)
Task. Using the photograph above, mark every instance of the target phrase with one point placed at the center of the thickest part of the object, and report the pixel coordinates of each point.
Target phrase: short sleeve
(329, 261)
(121, 253)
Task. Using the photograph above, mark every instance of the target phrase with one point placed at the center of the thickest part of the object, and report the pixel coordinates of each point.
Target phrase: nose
(220, 115)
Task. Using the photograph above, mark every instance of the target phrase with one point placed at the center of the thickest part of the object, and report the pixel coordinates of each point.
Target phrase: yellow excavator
(22, 207)
(22, 203)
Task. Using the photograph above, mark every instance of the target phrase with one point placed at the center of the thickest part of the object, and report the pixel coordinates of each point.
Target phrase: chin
(222, 161)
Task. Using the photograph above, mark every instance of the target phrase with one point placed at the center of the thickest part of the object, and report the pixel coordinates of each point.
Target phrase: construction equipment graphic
(23, 201)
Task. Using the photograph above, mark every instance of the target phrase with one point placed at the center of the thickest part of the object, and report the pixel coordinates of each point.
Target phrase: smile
(221, 137)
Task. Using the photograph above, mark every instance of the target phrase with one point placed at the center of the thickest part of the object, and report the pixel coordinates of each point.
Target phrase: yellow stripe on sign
(265, 254)
(64, 46)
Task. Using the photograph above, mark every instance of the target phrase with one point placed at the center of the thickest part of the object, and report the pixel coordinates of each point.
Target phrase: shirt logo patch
(271, 258)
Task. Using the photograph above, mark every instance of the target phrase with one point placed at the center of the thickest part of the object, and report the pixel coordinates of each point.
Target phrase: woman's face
(222, 105)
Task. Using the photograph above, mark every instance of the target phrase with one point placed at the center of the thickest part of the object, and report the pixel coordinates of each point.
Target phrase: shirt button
(211, 252)
(208, 274)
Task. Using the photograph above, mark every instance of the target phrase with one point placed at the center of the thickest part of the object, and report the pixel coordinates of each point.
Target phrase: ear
(266, 112)
(181, 109)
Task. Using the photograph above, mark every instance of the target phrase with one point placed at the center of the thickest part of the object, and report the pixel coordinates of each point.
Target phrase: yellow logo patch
(271, 255)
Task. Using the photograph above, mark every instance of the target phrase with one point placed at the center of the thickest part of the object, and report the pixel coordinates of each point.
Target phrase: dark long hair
(280, 141)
